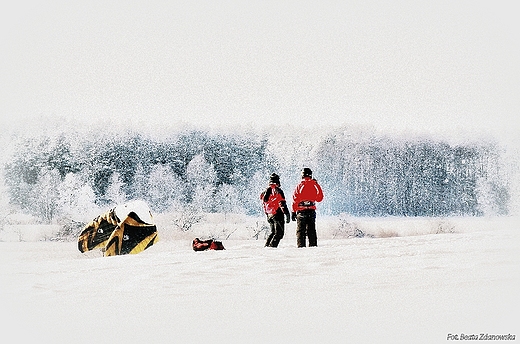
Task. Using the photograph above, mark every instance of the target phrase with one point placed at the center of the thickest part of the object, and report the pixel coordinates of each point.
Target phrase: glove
(294, 216)
(287, 218)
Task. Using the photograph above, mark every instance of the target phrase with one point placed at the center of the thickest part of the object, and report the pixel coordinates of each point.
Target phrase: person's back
(305, 196)
(272, 199)
(307, 193)
(275, 207)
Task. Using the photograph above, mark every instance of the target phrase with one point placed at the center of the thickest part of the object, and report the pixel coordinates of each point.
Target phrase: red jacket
(273, 200)
(306, 194)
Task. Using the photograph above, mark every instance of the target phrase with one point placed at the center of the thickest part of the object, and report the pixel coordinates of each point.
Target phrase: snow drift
(395, 289)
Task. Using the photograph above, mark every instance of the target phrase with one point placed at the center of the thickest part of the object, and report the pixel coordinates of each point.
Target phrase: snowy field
(406, 287)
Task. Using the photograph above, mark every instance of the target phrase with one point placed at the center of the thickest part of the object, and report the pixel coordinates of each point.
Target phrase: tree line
(362, 175)
(380, 176)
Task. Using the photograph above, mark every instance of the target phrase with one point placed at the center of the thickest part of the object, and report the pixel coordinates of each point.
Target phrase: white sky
(430, 66)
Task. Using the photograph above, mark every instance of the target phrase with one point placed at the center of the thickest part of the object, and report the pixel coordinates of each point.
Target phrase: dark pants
(306, 228)
(277, 224)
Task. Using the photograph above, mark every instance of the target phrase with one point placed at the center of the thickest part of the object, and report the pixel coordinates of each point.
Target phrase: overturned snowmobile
(125, 229)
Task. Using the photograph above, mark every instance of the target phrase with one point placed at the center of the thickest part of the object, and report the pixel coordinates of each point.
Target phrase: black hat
(274, 179)
(306, 172)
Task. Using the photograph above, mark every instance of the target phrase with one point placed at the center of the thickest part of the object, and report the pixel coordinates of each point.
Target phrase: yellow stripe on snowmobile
(114, 243)
(150, 240)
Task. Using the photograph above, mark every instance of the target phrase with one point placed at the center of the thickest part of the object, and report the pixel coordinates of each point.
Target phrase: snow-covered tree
(139, 185)
(227, 200)
(4, 200)
(44, 201)
(76, 199)
(201, 177)
(164, 188)
(114, 194)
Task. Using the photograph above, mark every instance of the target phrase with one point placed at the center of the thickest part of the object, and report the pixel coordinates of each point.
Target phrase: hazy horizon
(436, 68)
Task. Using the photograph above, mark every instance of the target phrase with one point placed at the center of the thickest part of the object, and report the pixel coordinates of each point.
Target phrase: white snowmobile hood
(137, 206)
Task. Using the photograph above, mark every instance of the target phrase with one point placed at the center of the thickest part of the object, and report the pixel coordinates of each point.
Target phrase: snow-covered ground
(405, 285)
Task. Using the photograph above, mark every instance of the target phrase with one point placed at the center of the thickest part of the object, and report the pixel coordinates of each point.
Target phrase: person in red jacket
(275, 207)
(305, 196)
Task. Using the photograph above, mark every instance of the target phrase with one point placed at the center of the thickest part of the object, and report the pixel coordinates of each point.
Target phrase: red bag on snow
(203, 245)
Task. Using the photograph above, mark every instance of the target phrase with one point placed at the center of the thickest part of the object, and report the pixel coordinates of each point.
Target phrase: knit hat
(306, 172)
(274, 179)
